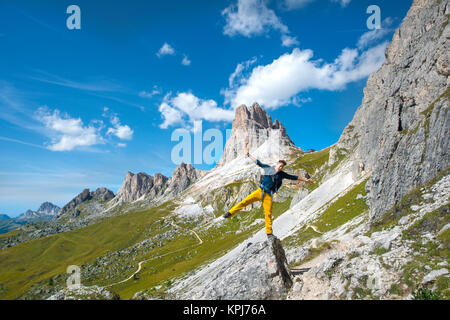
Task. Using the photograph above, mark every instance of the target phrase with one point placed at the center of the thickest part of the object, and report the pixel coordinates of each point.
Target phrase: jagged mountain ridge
(252, 127)
(400, 132)
(45, 209)
(398, 140)
(349, 253)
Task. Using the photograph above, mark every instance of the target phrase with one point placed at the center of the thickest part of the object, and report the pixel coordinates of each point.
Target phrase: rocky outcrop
(400, 132)
(49, 209)
(182, 177)
(101, 194)
(138, 186)
(46, 209)
(250, 129)
(135, 186)
(259, 271)
(85, 293)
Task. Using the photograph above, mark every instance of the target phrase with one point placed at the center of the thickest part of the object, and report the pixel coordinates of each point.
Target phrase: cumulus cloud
(343, 3)
(123, 132)
(288, 41)
(280, 82)
(69, 133)
(240, 68)
(370, 37)
(297, 4)
(146, 94)
(166, 49)
(185, 108)
(251, 17)
(186, 61)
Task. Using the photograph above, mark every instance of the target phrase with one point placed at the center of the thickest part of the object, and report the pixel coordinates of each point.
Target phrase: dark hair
(282, 161)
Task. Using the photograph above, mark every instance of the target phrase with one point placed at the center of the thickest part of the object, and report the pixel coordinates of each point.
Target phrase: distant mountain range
(46, 212)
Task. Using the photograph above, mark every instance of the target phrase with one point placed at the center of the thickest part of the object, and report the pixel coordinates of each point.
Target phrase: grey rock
(250, 129)
(434, 274)
(102, 194)
(400, 132)
(80, 198)
(137, 186)
(302, 193)
(259, 271)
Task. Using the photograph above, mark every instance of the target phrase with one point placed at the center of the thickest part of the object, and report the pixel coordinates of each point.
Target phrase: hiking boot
(226, 215)
(270, 236)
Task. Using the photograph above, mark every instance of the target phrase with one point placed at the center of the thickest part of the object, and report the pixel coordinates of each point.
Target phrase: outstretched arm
(292, 177)
(258, 163)
(306, 180)
(250, 156)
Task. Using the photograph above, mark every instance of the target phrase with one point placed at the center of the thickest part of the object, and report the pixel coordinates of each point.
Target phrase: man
(271, 182)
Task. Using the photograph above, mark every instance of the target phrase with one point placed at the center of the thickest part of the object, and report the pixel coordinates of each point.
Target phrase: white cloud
(239, 70)
(171, 115)
(123, 132)
(166, 49)
(251, 17)
(68, 133)
(288, 41)
(145, 94)
(343, 3)
(295, 4)
(186, 61)
(280, 82)
(186, 107)
(372, 36)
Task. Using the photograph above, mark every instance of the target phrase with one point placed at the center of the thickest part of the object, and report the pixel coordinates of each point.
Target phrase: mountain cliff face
(338, 240)
(100, 194)
(400, 132)
(45, 209)
(141, 185)
(250, 129)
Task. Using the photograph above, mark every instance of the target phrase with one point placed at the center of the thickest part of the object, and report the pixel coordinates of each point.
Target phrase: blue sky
(80, 108)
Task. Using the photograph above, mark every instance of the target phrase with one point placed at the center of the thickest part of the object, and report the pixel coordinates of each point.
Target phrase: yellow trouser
(267, 205)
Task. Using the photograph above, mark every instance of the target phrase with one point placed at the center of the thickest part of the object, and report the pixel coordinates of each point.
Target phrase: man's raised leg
(252, 197)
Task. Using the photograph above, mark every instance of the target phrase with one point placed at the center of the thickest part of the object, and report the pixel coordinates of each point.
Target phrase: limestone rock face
(400, 132)
(136, 186)
(45, 209)
(183, 176)
(259, 271)
(101, 194)
(250, 129)
(48, 209)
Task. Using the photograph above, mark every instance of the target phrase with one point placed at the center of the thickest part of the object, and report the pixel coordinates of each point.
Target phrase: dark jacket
(271, 183)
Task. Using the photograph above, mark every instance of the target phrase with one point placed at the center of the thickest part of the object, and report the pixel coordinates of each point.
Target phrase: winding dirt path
(152, 258)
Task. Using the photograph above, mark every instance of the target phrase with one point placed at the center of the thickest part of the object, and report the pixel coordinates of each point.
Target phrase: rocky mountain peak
(45, 209)
(400, 132)
(137, 186)
(101, 194)
(253, 116)
(250, 129)
(48, 208)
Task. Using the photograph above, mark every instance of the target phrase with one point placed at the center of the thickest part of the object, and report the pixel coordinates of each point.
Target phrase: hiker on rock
(271, 182)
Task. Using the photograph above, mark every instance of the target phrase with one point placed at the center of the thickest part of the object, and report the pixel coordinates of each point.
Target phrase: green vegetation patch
(403, 208)
(343, 209)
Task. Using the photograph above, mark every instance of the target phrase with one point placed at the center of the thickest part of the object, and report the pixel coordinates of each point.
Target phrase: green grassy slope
(40, 265)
